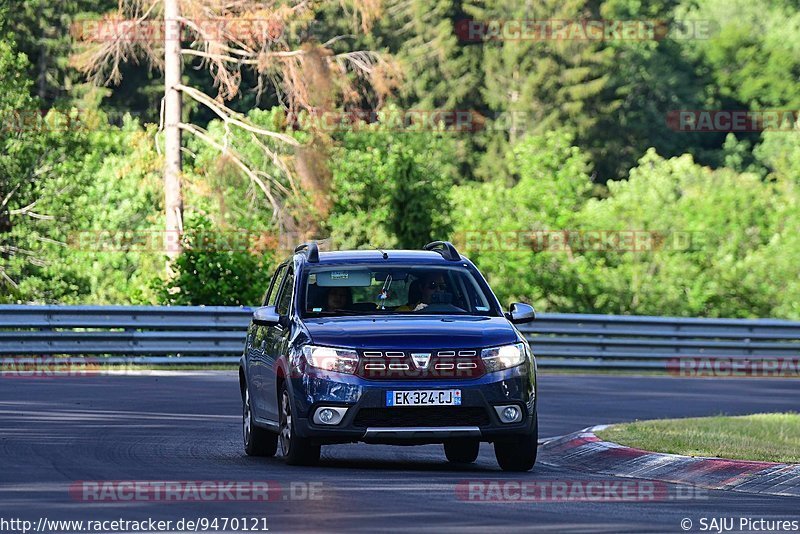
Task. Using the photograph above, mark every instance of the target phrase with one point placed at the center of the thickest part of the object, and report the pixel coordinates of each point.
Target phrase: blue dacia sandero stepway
(396, 347)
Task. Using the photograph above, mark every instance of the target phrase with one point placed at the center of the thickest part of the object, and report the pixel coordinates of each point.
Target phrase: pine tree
(542, 83)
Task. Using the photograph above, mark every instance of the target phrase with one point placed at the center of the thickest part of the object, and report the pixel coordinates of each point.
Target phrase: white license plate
(424, 397)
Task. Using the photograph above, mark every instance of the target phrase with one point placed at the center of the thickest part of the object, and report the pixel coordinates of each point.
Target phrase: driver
(338, 298)
(421, 292)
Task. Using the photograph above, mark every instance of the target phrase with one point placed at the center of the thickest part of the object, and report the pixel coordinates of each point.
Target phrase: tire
(462, 452)
(519, 452)
(296, 450)
(257, 441)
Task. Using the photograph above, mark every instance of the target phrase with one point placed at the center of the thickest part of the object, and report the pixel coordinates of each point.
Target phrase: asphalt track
(55, 432)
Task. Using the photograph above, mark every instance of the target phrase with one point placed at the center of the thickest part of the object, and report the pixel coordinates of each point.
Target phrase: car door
(257, 349)
(276, 343)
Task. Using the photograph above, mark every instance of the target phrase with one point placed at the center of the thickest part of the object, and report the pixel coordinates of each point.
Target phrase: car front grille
(422, 416)
(420, 364)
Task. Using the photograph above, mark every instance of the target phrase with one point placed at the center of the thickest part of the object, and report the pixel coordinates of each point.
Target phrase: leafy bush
(493, 220)
(391, 189)
(207, 273)
(721, 243)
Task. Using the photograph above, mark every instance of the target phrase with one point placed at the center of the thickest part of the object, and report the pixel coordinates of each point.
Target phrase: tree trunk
(41, 80)
(173, 197)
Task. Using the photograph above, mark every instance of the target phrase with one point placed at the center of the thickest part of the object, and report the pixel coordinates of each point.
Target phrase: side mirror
(521, 313)
(266, 316)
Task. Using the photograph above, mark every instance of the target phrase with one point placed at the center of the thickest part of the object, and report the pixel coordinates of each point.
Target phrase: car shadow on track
(423, 459)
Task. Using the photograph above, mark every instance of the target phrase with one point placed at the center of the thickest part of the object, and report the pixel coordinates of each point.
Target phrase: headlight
(330, 359)
(505, 357)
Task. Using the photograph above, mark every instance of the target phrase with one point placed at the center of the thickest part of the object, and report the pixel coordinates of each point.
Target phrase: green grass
(769, 437)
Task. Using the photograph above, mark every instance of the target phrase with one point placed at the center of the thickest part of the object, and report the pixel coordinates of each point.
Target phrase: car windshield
(380, 290)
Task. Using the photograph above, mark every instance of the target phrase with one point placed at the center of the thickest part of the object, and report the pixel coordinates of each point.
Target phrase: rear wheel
(296, 450)
(462, 452)
(519, 452)
(257, 441)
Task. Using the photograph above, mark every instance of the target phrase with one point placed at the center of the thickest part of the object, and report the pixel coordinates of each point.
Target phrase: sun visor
(344, 278)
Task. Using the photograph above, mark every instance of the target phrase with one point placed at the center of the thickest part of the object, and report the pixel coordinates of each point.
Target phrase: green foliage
(211, 272)
(441, 72)
(44, 30)
(755, 56)
(231, 235)
(44, 160)
(780, 153)
(717, 243)
(86, 195)
(80, 187)
(552, 83)
(216, 186)
(390, 189)
(730, 218)
(493, 221)
(117, 237)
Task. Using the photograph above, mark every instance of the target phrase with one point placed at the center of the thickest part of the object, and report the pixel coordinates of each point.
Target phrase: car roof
(374, 256)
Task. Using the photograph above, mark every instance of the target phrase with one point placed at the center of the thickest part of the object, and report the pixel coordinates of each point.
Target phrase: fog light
(509, 414)
(329, 415)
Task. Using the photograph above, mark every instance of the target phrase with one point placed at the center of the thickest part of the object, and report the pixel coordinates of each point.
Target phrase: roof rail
(311, 251)
(445, 248)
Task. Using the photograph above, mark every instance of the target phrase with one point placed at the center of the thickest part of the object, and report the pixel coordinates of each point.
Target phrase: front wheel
(462, 452)
(519, 452)
(257, 441)
(296, 450)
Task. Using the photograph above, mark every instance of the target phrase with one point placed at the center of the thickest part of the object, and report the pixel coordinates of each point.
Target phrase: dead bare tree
(173, 197)
(228, 37)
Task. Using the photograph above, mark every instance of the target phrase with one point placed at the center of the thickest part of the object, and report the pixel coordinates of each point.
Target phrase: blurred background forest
(594, 153)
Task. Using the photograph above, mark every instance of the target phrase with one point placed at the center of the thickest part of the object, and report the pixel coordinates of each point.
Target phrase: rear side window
(285, 297)
(275, 285)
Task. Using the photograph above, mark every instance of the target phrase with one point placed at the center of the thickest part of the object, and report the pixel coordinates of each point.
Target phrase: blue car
(396, 347)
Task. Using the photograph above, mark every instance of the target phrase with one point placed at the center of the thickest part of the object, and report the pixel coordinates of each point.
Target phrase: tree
(391, 189)
(173, 197)
(270, 39)
(709, 242)
(726, 237)
(553, 83)
(496, 225)
(754, 56)
(649, 78)
(210, 275)
(14, 102)
(46, 163)
(42, 30)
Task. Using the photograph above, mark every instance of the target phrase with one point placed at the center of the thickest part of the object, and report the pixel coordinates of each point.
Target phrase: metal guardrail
(215, 335)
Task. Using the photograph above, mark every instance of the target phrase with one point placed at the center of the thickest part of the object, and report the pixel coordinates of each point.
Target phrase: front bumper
(369, 420)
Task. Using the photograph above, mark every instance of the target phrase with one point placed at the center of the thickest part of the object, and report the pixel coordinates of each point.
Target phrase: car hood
(399, 333)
